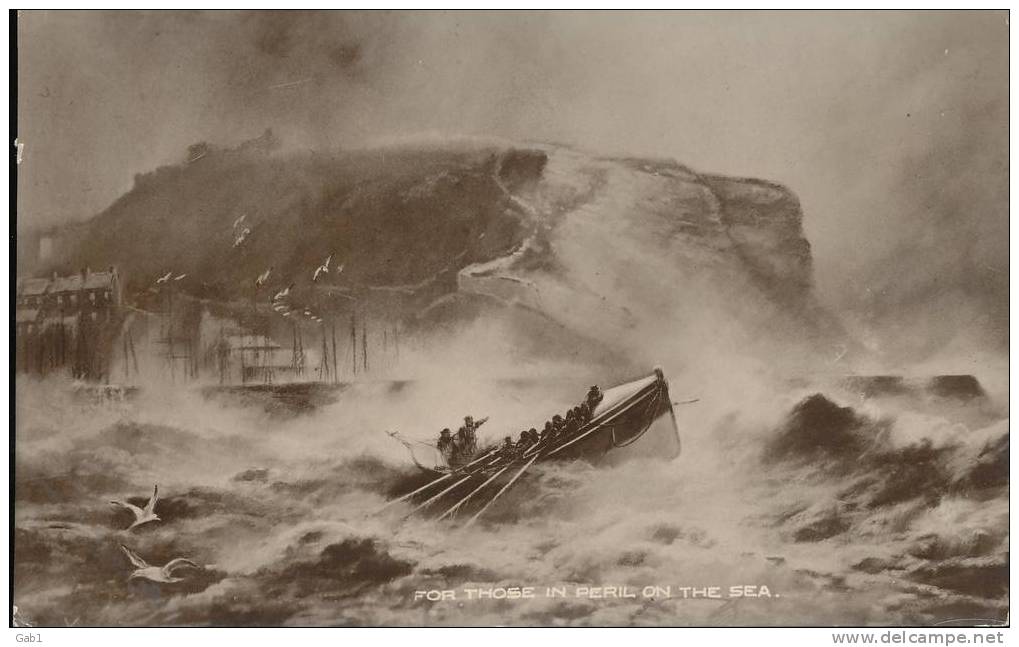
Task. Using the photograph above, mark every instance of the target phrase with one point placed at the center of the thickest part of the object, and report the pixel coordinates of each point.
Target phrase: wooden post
(336, 373)
(353, 341)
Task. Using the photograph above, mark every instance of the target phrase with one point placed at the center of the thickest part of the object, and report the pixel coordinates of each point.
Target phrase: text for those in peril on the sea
(597, 592)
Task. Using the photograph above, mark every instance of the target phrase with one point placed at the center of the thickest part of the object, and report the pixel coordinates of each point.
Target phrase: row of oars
(489, 458)
(465, 473)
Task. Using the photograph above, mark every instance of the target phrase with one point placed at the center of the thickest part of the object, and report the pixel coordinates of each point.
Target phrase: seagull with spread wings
(263, 277)
(322, 269)
(242, 237)
(162, 574)
(282, 294)
(164, 278)
(142, 515)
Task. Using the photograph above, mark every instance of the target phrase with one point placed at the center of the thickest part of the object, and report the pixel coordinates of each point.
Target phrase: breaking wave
(878, 510)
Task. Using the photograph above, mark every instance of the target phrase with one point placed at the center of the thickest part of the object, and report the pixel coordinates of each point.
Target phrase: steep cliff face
(647, 255)
(556, 244)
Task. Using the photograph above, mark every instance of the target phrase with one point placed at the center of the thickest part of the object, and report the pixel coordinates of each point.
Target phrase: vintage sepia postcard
(510, 318)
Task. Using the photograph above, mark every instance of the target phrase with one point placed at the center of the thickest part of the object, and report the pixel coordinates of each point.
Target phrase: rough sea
(801, 502)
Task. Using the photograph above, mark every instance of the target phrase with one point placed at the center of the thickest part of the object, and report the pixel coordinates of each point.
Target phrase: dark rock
(873, 386)
(259, 474)
(818, 427)
(959, 387)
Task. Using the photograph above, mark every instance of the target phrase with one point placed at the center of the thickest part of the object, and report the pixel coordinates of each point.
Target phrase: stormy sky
(890, 126)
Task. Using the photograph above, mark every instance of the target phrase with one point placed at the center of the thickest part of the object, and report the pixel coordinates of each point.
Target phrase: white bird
(243, 235)
(283, 293)
(263, 277)
(179, 277)
(165, 278)
(156, 573)
(843, 349)
(322, 269)
(142, 515)
(239, 221)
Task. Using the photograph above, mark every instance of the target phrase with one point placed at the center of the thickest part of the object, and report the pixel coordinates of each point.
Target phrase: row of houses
(63, 320)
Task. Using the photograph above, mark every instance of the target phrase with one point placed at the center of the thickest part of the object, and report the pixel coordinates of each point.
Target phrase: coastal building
(66, 320)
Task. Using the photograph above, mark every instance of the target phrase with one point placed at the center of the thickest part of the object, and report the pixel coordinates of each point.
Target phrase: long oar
(499, 493)
(420, 489)
(464, 500)
(479, 458)
(433, 482)
(433, 498)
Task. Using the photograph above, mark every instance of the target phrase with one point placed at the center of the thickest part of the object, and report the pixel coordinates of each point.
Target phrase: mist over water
(888, 519)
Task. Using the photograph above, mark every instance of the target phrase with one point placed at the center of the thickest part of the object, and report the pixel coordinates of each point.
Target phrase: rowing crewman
(558, 424)
(508, 449)
(594, 397)
(584, 412)
(548, 433)
(523, 442)
(571, 425)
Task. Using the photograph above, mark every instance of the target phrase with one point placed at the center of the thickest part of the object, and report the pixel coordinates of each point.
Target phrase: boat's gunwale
(658, 386)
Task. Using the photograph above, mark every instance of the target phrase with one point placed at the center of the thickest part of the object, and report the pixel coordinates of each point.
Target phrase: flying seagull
(263, 277)
(241, 238)
(283, 293)
(142, 516)
(322, 269)
(164, 278)
(240, 221)
(179, 277)
(156, 573)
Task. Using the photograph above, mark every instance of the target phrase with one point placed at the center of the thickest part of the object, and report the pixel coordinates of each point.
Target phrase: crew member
(466, 437)
(548, 433)
(523, 442)
(532, 433)
(584, 413)
(594, 396)
(570, 426)
(508, 449)
(558, 424)
(446, 445)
